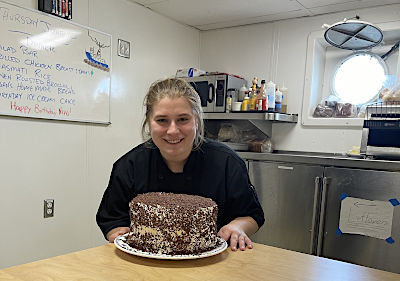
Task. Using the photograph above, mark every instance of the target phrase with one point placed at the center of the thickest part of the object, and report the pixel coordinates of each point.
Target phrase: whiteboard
(51, 68)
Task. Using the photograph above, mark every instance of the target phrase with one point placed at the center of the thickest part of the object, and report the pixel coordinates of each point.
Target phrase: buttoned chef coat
(214, 171)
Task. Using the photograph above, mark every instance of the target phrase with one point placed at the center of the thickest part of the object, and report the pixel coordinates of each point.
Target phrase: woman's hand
(238, 231)
(113, 233)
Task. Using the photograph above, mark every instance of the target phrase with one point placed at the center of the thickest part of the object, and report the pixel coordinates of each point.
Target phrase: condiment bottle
(278, 100)
(245, 104)
(264, 101)
(270, 90)
(242, 93)
(253, 95)
(229, 103)
(284, 91)
(261, 98)
(253, 98)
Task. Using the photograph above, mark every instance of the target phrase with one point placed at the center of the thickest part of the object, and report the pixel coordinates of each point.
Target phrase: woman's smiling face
(173, 128)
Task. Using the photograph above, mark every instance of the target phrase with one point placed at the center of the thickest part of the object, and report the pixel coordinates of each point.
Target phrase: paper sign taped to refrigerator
(365, 217)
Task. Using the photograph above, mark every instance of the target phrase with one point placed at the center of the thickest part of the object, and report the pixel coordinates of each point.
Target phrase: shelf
(267, 116)
(256, 118)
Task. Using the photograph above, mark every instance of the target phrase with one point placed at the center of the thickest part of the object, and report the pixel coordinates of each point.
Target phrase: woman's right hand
(114, 233)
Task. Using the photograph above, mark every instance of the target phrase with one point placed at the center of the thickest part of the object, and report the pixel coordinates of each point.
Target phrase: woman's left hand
(236, 232)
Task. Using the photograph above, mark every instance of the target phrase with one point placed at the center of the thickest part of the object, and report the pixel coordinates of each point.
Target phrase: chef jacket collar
(191, 169)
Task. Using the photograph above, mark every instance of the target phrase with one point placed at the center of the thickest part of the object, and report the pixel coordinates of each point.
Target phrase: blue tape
(389, 240)
(394, 202)
(343, 195)
(338, 232)
(190, 72)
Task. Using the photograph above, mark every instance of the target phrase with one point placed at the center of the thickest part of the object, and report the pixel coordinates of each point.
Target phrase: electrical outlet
(48, 208)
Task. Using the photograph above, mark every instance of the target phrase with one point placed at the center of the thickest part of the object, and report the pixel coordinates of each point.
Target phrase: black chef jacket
(214, 171)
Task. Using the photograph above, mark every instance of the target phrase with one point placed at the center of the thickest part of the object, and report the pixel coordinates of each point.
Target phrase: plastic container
(261, 146)
(278, 101)
(236, 105)
(284, 92)
(228, 104)
(189, 72)
(270, 92)
(233, 93)
(242, 93)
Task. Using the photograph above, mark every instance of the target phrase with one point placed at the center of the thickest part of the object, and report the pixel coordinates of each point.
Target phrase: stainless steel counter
(324, 159)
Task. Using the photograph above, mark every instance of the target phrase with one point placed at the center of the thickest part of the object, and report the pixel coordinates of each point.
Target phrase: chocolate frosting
(167, 223)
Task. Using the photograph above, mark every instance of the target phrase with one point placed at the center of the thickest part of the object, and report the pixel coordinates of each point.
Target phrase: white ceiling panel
(253, 20)
(318, 3)
(195, 13)
(147, 2)
(350, 5)
(213, 14)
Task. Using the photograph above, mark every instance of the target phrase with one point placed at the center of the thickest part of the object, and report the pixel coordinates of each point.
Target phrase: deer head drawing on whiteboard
(97, 55)
(93, 57)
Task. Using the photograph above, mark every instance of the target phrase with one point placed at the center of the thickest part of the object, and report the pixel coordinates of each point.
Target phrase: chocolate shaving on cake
(174, 224)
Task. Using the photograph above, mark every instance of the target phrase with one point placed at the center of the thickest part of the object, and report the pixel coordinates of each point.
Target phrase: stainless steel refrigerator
(359, 249)
(302, 205)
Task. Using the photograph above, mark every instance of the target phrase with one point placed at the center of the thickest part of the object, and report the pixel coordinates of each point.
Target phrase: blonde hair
(173, 88)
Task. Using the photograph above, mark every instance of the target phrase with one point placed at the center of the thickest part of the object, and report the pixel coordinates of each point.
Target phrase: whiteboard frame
(111, 55)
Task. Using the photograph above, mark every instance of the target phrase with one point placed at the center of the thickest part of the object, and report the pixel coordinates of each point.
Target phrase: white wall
(71, 162)
(277, 51)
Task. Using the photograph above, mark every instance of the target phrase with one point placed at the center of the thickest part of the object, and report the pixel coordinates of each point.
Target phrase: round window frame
(357, 53)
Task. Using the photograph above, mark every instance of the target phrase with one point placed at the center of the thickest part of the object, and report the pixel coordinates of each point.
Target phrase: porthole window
(359, 78)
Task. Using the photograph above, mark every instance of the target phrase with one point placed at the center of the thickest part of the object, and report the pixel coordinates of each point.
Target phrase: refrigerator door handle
(322, 215)
(314, 214)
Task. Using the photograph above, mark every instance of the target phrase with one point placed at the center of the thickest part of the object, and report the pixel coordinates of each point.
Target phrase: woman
(176, 158)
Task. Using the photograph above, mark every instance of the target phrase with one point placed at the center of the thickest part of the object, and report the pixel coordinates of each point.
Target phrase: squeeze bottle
(270, 90)
(284, 91)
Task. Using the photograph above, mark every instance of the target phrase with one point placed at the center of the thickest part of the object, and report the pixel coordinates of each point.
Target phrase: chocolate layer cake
(174, 224)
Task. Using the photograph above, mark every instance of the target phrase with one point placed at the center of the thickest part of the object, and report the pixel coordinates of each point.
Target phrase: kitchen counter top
(260, 263)
(324, 159)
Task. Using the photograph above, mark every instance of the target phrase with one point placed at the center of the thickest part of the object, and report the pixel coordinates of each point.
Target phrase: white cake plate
(120, 243)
